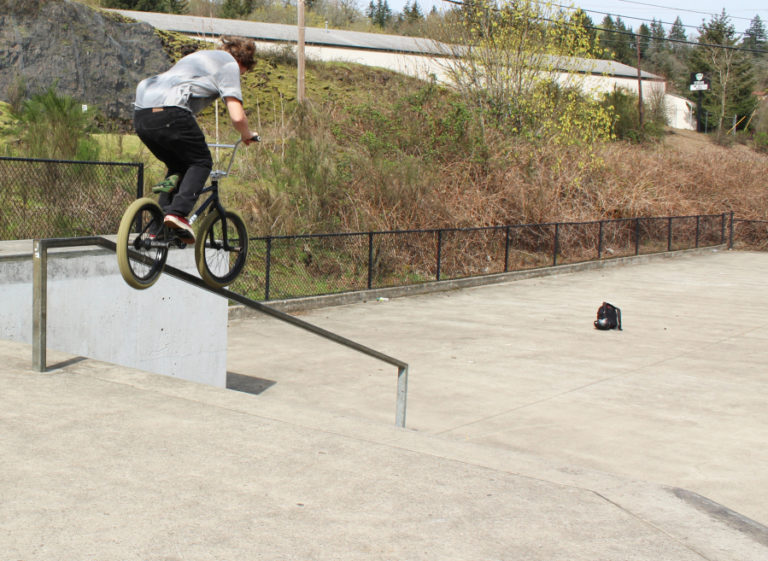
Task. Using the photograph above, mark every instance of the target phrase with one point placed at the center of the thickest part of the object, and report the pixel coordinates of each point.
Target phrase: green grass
(8, 129)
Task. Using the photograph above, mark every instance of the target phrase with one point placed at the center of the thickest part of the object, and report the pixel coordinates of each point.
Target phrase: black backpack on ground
(608, 317)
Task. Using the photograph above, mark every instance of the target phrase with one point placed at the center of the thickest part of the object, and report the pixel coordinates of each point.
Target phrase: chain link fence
(281, 267)
(59, 199)
(55, 199)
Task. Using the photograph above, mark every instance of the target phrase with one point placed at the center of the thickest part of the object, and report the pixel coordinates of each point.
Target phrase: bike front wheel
(140, 258)
(221, 248)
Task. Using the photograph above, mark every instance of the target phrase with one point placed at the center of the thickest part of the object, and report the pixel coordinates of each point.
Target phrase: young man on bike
(164, 120)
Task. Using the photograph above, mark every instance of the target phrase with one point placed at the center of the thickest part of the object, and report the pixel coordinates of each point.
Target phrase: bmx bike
(221, 240)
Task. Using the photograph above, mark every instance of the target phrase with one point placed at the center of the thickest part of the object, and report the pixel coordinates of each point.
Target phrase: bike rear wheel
(139, 257)
(221, 248)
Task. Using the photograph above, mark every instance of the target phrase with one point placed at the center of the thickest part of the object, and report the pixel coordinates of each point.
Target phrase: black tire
(220, 262)
(140, 264)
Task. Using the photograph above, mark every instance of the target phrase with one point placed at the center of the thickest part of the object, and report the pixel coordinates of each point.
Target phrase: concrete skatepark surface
(530, 435)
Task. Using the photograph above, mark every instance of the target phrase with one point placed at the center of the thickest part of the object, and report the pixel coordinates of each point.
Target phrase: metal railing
(281, 267)
(58, 198)
(40, 312)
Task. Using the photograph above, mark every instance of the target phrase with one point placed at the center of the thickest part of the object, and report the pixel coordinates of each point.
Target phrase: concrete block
(171, 328)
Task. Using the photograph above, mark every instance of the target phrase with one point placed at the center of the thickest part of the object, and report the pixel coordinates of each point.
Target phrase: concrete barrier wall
(171, 328)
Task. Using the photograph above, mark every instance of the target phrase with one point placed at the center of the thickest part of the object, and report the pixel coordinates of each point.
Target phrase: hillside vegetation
(375, 150)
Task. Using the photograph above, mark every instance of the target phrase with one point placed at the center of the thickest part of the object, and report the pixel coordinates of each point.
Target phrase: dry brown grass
(356, 160)
(688, 177)
(525, 184)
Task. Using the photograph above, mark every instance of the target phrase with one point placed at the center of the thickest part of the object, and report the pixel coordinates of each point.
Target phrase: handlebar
(254, 138)
(221, 173)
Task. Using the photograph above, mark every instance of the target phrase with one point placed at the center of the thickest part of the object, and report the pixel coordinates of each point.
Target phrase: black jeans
(175, 138)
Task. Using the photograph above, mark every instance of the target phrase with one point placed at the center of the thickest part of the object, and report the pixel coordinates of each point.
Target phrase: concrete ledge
(291, 305)
(171, 328)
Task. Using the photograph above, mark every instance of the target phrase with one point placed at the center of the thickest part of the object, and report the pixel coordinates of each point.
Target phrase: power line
(624, 17)
(638, 36)
(669, 39)
(646, 20)
(679, 9)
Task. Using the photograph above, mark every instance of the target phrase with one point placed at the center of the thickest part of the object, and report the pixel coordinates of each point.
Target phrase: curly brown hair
(241, 48)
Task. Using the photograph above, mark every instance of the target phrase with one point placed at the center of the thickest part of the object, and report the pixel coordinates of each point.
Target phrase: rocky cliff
(93, 56)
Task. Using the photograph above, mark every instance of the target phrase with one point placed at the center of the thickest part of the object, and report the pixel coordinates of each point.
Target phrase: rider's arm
(239, 119)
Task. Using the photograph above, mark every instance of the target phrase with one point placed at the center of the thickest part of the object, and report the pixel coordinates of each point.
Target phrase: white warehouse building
(414, 56)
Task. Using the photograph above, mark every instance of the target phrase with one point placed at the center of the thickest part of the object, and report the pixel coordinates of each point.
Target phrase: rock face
(93, 56)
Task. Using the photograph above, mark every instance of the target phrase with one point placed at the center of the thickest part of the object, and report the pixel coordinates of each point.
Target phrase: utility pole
(300, 54)
(639, 85)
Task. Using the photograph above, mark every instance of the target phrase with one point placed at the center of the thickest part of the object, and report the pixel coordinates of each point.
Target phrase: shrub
(15, 93)
(626, 120)
(57, 127)
(760, 141)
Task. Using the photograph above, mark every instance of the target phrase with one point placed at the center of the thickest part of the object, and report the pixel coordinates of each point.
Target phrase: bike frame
(213, 189)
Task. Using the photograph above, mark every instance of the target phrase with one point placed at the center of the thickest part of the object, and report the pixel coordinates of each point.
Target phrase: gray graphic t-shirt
(193, 83)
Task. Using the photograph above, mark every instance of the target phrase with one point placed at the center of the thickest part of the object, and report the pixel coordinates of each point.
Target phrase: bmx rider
(164, 119)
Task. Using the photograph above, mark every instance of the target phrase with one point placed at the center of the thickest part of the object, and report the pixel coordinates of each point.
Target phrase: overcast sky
(690, 13)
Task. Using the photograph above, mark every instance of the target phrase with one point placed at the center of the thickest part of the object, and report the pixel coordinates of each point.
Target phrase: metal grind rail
(40, 298)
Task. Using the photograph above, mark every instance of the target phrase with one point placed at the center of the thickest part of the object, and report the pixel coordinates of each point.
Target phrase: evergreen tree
(643, 37)
(236, 9)
(412, 12)
(616, 39)
(730, 71)
(605, 35)
(677, 34)
(178, 6)
(380, 13)
(607, 26)
(230, 9)
(581, 20)
(661, 59)
(658, 44)
(139, 5)
(625, 43)
(674, 62)
(755, 37)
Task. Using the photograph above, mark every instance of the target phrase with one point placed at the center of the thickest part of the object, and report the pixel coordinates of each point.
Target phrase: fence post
(370, 260)
(722, 229)
(556, 244)
(39, 305)
(698, 223)
(669, 233)
(439, 252)
(506, 250)
(730, 235)
(268, 268)
(637, 236)
(600, 242)
(140, 182)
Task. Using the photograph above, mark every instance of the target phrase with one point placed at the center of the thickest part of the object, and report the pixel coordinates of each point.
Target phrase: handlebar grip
(256, 138)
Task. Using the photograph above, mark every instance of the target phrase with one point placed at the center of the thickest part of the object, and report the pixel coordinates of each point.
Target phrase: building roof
(276, 32)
